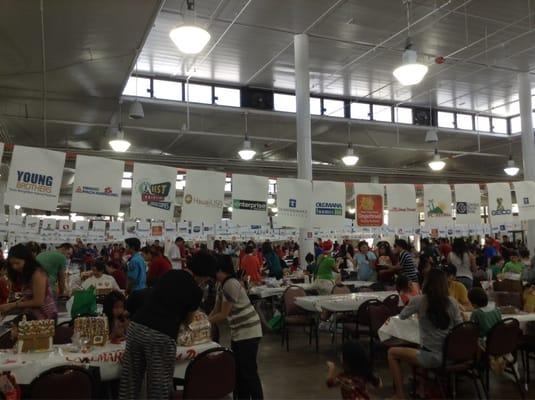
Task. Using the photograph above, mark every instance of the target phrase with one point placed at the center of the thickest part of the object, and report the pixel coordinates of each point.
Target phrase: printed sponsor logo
(250, 205)
(292, 203)
(440, 209)
(369, 210)
(525, 200)
(210, 203)
(155, 194)
(465, 208)
(34, 182)
(500, 208)
(93, 190)
(326, 208)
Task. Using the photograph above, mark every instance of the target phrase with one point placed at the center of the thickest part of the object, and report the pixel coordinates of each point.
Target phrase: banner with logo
(203, 197)
(401, 199)
(153, 192)
(329, 204)
(249, 199)
(467, 204)
(34, 178)
(293, 202)
(369, 204)
(437, 205)
(97, 185)
(500, 204)
(525, 198)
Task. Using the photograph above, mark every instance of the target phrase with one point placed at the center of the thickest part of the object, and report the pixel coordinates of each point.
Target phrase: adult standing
(37, 298)
(325, 278)
(365, 260)
(273, 263)
(251, 266)
(157, 263)
(465, 264)
(406, 265)
(233, 305)
(152, 334)
(54, 263)
(489, 251)
(136, 267)
(176, 254)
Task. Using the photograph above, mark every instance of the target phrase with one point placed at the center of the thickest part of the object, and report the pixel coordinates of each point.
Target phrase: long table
(409, 329)
(339, 302)
(27, 366)
(264, 291)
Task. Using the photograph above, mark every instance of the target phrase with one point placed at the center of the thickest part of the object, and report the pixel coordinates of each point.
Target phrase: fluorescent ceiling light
(119, 144)
(189, 39)
(436, 164)
(511, 169)
(246, 153)
(410, 72)
(16, 207)
(271, 201)
(350, 159)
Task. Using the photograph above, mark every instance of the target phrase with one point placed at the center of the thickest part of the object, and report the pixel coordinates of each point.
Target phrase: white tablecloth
(408, 329)
(339, 302)
(27, 366)
(357, 284)
(264, 291)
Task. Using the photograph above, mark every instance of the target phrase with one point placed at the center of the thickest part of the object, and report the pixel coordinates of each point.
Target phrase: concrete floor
(300, 373)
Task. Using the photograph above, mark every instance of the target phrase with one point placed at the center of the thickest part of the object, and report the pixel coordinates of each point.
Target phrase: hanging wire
(349, 134)
(408, 4)
(246, 134)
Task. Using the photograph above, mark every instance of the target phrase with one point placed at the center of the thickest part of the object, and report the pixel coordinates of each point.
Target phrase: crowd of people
(154, 288)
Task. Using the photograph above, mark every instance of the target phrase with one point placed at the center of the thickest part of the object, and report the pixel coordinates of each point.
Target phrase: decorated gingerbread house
(35, 335)
(196, 330)
(95, 329)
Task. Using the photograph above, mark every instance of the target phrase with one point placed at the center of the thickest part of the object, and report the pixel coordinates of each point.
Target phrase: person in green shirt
(514, 264)
(324, 282)
(496, 265)
(482, 315)
(54, 263)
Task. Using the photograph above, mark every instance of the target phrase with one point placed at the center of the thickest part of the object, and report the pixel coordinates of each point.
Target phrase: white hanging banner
(369, 204)
(401, 199)
(293, 202)
(1, 151)
(203, 197)
(467, 204)
(97, 185)
(525, 198)
(329, 204)
(500, 204)
(153, 192)
(34, 178)
(437, 205)
(249, 200)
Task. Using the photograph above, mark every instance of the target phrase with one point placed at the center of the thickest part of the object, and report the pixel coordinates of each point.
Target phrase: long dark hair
(357, 363)
(459, 247)
(24, 253)
(109, 302)
(435, 290)
(267, 248)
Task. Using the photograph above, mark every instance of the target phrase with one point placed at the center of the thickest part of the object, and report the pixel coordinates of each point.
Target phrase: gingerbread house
(95, 329)
(35, 335)
(196, 330)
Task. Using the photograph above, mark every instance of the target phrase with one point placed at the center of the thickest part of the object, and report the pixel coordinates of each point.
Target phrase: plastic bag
(9, 387)
(275, 323)
(84, 303)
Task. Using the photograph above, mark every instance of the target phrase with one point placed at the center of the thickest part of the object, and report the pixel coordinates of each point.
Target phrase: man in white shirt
(175, 255)
(99, 280)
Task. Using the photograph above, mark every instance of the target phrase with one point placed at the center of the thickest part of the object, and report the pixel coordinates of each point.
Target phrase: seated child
(357, 374)
(114, 310)
(496, 265)
(406, 289)
(484, 316)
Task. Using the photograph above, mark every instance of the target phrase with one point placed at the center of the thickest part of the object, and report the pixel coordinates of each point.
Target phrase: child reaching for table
(357, 374)
(114, 310)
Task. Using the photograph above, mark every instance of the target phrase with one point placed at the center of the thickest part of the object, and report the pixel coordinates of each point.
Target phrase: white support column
(528, 141)
(304, 139)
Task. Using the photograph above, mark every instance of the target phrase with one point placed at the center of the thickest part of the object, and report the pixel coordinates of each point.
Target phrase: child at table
(357, 374)
(114, 310)
(484, 316)
(406, 289)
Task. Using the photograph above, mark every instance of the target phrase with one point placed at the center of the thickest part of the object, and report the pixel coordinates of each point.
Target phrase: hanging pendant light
(119, 144)
(511, 169)
(350, 159)
(190, 38)
(436, 164)
(246, 153)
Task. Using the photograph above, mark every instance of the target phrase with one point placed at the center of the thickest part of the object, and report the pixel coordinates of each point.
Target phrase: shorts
(323, 286)
(429, 359)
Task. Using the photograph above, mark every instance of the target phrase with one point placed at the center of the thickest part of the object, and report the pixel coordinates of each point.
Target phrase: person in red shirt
(444, 248)
(158, 264)
(115, 269)
(251, 265)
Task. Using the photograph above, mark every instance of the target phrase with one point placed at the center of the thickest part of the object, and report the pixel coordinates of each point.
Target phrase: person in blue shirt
(136, 267)
(365, 260)
(488, 252)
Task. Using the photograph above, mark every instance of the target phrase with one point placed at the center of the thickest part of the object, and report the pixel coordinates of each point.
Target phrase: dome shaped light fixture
(246, 153)
(410, 72)
(436, 164)
(350, 159)
(189, 38)
(511, 169)
(119, 144)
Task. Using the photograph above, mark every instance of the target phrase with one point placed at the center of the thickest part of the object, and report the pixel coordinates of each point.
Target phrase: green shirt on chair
(485, 320)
